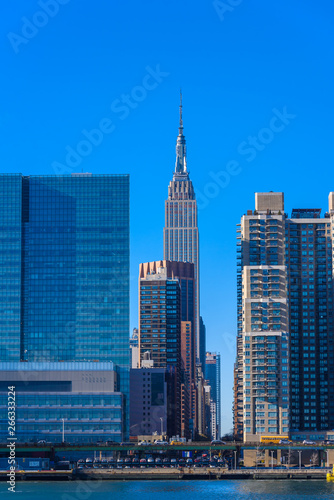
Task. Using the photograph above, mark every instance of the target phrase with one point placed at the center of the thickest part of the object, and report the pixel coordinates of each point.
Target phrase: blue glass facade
(212, 374)
(89, 417)
(64, 269)
(81, 393)
(10, 266)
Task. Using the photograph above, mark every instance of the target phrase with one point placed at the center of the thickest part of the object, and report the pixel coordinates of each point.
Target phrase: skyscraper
(160, 334)
(212, 375)
(64, 270)
(181, 241)
(284, 368)
(202, 343)
(184, 273)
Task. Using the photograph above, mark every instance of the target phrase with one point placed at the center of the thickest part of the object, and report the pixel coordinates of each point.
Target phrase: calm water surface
(172, 490)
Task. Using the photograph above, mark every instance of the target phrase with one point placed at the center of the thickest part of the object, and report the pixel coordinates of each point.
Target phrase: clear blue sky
(235, 68)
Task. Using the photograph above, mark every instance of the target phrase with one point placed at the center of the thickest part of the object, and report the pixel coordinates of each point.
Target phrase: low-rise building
(76, 402)
(148, 401)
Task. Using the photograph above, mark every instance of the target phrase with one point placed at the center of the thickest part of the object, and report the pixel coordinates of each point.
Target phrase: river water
(173, 490)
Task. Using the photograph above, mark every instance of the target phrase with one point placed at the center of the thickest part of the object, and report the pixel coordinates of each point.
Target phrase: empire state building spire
(181, 241)
(181, 151)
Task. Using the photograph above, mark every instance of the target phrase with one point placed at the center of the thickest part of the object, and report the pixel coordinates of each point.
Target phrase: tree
(314, 459)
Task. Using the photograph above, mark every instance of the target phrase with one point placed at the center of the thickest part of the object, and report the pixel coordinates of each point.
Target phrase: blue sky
(241, 66)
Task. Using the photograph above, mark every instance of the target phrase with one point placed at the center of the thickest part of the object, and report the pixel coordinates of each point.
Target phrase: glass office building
(212, 375)
(10, 266)
(64, 270)
(73, 401)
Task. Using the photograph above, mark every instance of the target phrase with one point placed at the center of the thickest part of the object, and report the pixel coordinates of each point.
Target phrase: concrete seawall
(201, 474)
(166, 474)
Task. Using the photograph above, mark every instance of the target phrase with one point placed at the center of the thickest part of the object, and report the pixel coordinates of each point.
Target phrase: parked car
(306, 441)
(144, 443)
(158, 441)
(217, 441)
(176, 442)
(173, 462)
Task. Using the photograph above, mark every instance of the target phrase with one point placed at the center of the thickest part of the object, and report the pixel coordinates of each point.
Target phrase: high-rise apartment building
(200, 423)
(181, 231)
(160, 333)
(184, 273)
(212, 375)
(64, 271)
(209, 417)
(284, 369)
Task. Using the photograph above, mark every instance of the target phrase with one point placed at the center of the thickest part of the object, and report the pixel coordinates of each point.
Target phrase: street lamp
(235, 459)
(162, 425)
(63, 430)
(272, 458)
(300, 458)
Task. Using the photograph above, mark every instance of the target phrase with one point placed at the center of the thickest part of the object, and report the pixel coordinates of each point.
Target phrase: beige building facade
(285, 363)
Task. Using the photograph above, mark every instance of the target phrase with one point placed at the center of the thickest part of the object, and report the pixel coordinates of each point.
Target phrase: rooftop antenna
(181, 120)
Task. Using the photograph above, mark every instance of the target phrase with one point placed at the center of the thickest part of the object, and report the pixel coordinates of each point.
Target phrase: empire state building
(181, 231)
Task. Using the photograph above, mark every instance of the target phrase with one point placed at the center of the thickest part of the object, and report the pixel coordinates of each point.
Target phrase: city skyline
(238, 75)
